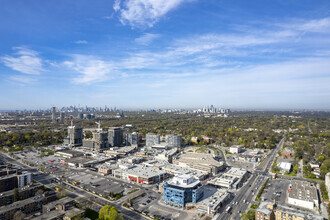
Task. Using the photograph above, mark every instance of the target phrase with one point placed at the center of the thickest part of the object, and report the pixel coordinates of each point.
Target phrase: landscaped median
(250, 214)
(258, 197)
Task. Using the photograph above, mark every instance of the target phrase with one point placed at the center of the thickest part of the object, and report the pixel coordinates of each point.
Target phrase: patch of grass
(134, 190)
(254, 206)
(47, 189)
(290, 174)
(142, 194)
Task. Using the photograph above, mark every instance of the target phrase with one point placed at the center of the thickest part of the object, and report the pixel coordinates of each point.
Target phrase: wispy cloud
(108, 17)
(90, 69)
(147, 38)
(194, 56)
(24, 60)
(23, 79)
(143, 13)
(315, 25)
(81, 42)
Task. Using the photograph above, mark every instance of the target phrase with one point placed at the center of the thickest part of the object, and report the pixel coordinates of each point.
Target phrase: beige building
(272, 211)
(200, 161)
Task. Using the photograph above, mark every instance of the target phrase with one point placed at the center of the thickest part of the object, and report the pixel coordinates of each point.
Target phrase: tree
(296, 168)
(250, 215)
(16, 195)
(19, 215)
(61, 194)
(320, 159)
(39, 192)
(108, 212)
(324, 190)
(299, 152)
(88, 134)
(27, 138)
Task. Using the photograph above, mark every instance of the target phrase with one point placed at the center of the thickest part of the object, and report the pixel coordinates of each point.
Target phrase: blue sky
(165, 53)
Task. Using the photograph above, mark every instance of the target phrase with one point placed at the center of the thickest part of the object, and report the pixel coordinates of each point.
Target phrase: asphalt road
(46, 179)
(250, 189)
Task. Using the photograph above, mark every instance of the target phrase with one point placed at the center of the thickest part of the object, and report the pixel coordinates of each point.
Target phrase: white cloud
(26, 61)
(116, 5)
(81, 42)
(316, 25)
(143, 13)
(90, 69)
(146, 38)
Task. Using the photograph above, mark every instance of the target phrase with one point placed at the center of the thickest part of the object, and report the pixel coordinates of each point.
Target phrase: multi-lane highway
(244, 196)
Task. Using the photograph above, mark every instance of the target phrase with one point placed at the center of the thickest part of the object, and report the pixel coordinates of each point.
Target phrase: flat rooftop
(21, 203)
(303, 191)
(64, 200)
(177, 181)
(198, 158)
(145, 171)
(307, 215)
(264, 209)
(107, 166)
(70, 152)
(236, 172)
(223, 179)
(175, 169)
(212, 197)
(78, 160)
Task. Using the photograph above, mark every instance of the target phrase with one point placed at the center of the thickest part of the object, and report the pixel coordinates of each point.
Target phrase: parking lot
(276, 190)
(96, 183)
(151, 203)
(242, 164)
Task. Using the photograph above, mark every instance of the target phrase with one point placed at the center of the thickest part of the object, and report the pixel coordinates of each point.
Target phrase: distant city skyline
(144, 54)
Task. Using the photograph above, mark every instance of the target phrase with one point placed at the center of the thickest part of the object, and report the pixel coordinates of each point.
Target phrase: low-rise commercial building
(61, 209)
(212, 200)
(167, 155)
(285, 167)
(235, 149)
(139, 174)
(173, 169)
(303, 195)
(200, 161)
(232, 179)
(69, 154)
(121, 151)
(146, 175)
(239, 173)
(106, 169)
(224, 181)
